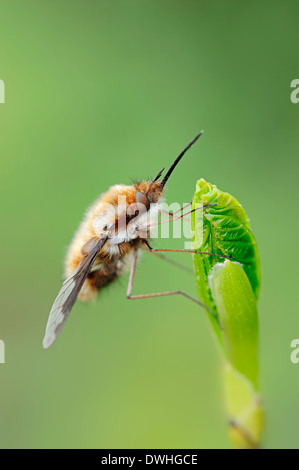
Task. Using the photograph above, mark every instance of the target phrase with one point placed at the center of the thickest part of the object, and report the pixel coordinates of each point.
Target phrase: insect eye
(142, 198)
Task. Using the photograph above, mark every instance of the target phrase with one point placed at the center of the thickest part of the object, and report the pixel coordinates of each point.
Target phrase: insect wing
(68, 294)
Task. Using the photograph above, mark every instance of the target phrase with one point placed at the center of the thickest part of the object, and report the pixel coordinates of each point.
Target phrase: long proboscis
(166, 177)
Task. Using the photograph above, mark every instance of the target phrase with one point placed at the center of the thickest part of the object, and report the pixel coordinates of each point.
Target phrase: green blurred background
(97, 93)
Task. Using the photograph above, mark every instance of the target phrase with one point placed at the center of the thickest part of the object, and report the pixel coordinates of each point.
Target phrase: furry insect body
(113, 229)
(107, 215)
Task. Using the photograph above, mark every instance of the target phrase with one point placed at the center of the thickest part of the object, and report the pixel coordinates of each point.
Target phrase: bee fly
(114, 228)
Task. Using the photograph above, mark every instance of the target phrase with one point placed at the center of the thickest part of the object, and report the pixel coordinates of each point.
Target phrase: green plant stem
(230, 288)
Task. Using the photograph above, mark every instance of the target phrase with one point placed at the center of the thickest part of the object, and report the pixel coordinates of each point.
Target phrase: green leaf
(236, 307)
(229, 287)
(223, 229)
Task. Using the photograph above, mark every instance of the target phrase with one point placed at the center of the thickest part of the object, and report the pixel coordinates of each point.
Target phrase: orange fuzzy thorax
(94, 223)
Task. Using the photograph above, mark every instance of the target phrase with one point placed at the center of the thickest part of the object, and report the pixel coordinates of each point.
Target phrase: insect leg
(156, 250)
(171, 214)
(180, 216)
(159, 294)
(174, 263)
